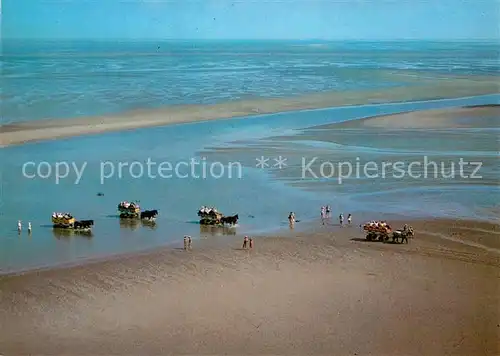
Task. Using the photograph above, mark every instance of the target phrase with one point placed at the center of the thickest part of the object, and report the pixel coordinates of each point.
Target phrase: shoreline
(49, 129)
(425, 119)
(89, 261)
(306, 227)
(205, 242)
(324, 291)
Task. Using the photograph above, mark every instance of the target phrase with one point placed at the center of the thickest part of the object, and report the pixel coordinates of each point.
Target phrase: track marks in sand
(463, 241)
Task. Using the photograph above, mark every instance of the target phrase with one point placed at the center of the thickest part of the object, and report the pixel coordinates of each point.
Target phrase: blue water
(57, 79)
(69, 79)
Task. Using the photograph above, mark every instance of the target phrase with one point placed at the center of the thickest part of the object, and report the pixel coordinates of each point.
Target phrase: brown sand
(428, 88)
(315, 293)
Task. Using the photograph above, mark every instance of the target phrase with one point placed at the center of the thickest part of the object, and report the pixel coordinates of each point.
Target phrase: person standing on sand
(190, 242)
(349, 219)
(341, 219)
(323, 215)
(245, 242)
(251, 243)
(185, 242)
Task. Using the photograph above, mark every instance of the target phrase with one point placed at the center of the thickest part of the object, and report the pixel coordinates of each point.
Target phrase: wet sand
(485, 116)
(325, 291)
(427, 89)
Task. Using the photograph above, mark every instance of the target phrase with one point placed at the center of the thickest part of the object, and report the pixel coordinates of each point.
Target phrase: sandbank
(427, 88)
(486, 116)
(325, 291)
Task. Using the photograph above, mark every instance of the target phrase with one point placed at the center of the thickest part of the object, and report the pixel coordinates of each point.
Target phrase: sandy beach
(427, 88)
(325, 291)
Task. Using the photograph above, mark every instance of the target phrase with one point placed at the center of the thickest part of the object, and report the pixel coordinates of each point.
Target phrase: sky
(251, 19)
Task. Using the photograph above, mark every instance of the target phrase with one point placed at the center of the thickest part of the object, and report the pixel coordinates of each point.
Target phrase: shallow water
(262, 198)
(55, 79)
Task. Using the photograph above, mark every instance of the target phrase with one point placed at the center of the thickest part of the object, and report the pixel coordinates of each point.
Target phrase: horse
(83, 224)
(149, 214)
(404, 234)
(231, 220)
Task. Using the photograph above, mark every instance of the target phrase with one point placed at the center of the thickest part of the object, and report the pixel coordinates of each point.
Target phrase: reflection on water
(67, 233)
(149, 224)
(208, 230)
(132, 224)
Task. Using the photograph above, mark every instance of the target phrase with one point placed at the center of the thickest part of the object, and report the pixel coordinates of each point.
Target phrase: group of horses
(225, 220)
(149, 215)
(83, 224)
(229, 220)
(86, 225)
(403, 235)
(152, 214)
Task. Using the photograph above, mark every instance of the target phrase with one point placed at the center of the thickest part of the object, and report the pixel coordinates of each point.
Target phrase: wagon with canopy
(129, 209)
(377, 231)
(210, 216)
(63, 220)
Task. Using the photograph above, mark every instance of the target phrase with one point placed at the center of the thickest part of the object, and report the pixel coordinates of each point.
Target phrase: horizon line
(250, 39)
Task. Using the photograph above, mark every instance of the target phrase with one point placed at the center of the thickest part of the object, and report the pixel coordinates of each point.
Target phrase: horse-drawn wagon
(210, 216)
(67, 221)
(129, 210)
(381, 231)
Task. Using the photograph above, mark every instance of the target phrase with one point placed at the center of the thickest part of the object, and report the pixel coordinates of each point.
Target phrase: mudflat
(464, 117)
(325, 291)
(428, 88)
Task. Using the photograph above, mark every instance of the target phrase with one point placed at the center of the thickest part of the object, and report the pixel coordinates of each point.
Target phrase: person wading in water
(323, 215)
(291, 219)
